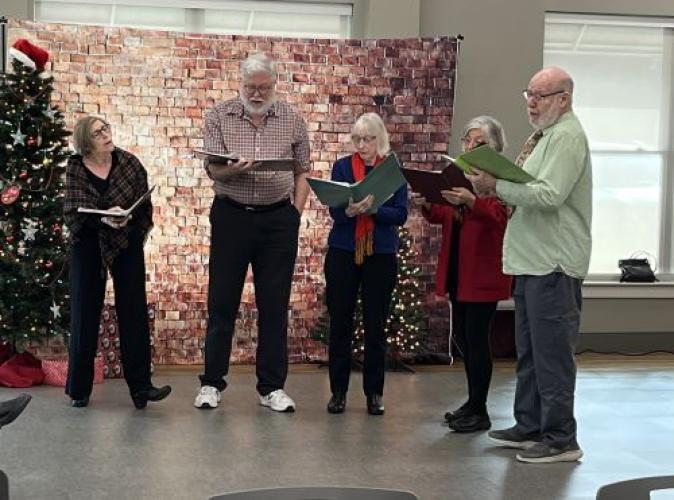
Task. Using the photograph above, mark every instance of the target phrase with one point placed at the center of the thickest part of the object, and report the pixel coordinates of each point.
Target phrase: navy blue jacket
(390, 215)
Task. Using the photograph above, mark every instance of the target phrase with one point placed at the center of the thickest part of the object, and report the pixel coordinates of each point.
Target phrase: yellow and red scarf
(364, 237)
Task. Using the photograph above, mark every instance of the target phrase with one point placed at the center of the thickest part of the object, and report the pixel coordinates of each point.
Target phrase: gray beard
(256, 110)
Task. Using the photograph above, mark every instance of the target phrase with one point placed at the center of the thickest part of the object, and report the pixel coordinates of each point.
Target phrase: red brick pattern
(155, 87)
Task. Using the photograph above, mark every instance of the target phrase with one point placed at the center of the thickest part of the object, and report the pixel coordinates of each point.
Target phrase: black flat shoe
(462, 411)
(375, 404)
(470, 423)
(141, 398)
(337, 403)
(12, 408)
(79, 403)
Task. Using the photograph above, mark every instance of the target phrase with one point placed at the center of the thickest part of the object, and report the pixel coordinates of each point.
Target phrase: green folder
(382, 182)
(485, 158)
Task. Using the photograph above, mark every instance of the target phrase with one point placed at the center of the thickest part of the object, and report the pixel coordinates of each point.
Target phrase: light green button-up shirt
(550, 228)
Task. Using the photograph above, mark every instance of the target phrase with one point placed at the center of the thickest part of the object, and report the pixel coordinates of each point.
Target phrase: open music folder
(485, 158)
(382, 182)
(430, 183)
(118, 213)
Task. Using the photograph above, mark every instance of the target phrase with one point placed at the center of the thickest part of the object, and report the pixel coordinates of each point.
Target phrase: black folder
(429, 183)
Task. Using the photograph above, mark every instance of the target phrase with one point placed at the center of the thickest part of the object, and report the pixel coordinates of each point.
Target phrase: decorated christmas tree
(33, 149)
(406, 331)
(406, 326)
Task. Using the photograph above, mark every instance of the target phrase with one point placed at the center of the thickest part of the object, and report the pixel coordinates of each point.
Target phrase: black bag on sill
(636, 271)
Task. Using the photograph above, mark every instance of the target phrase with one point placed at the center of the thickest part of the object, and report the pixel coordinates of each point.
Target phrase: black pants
(471, 323)
(267, 240)
(375, 278)
(87, 292)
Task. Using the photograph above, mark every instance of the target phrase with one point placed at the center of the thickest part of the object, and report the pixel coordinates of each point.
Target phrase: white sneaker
(208, 397)
(278, 400)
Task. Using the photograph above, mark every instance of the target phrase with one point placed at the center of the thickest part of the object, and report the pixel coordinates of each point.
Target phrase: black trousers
(266, 240)
(375, 279)
(87, 292)
(471, 323)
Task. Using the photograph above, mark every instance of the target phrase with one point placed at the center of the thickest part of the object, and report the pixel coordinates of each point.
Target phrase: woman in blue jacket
(362, 257)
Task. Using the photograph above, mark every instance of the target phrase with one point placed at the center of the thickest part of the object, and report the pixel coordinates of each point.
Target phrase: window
(623, 70)
(246, 17)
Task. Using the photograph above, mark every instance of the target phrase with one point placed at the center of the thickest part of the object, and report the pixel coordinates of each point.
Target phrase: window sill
(614, 289)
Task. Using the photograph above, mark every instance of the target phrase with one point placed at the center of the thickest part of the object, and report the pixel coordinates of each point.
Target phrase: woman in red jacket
(469, 271)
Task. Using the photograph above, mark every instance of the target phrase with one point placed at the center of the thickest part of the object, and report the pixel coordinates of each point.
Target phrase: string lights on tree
(33, 254)
(406, 327)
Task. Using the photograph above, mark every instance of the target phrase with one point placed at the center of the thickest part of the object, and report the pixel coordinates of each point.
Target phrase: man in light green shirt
(547, 248)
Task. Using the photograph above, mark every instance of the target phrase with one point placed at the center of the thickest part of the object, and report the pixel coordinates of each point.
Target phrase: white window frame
(665, 255)
(194, 11)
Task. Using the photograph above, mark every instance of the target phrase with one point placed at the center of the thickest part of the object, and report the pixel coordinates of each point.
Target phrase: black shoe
(79, 403)
(375, 405)
(462, 411)
(12, 408)
(141, 398)
(337, 403)
(470, 423)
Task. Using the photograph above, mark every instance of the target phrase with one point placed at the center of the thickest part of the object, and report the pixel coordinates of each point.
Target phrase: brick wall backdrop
(154, 87)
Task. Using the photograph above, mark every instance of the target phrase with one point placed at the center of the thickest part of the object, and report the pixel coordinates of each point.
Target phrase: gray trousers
(547, 317)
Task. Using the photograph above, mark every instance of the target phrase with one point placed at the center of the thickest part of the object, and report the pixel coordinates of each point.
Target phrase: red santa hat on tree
(29, 54)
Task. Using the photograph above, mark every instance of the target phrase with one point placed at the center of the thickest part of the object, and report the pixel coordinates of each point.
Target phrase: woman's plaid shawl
(128, 182)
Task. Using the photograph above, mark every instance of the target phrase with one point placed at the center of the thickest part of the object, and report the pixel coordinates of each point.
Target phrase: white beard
(257, 109)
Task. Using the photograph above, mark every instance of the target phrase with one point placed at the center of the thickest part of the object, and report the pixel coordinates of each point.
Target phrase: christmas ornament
(23, 175)
(10, 194)
(29, 229)
(18, 137)
(49, 264)
(56, 310)
(10, 239)
(32, 141)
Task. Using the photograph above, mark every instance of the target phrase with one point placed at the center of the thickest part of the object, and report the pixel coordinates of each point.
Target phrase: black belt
(255, 208)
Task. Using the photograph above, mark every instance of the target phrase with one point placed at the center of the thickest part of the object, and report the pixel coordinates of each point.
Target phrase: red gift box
(56, 371)
(108, 340)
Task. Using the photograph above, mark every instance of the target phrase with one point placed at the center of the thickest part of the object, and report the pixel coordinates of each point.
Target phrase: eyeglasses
(474, 144)
(367, 139)
(262, 89)
(105, 129)
(537, 97)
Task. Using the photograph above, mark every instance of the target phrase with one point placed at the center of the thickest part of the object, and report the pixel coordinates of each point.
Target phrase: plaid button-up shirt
(229, 129)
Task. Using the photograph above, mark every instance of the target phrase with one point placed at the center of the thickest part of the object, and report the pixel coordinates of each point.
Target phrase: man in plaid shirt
(255, 220)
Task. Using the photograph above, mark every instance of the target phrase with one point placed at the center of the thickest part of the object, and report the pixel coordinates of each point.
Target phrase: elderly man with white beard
(255, 220)
(547, 248)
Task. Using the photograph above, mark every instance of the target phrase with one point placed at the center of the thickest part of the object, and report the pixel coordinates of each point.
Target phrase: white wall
(16, 8)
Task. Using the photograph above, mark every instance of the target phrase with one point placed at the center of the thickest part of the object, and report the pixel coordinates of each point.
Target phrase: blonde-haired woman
(362, 258)
(103, 176)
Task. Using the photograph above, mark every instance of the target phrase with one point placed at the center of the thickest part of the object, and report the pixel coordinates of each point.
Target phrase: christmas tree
(406, 331)
(406, 326)
(33, 149)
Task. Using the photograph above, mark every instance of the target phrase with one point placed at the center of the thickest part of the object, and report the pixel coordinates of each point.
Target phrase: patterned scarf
(128, 181)
(364, 244)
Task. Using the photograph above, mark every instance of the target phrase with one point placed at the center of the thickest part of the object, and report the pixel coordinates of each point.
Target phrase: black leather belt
(255, 208)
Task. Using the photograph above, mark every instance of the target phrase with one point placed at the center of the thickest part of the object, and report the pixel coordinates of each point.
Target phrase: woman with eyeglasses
(469, 272)
(361, 261)
(102, 176)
